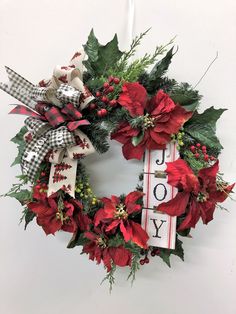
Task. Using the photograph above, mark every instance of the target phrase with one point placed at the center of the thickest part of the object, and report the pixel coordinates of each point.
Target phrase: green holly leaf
(184, 95)
(29, 216)
(19, 137)
(91, 47)
(77, 240)
(202, 127)
(19, 140)
(137, 139)
(165, 256)
(18, 158)
(178, 251)
(101, 58)
(158, 71)
(22, 196)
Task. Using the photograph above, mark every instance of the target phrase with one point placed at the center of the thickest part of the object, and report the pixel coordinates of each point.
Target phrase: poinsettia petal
(120, 256)
(209, 172)
(131, 199)
(192, 217)
(139, 235)
(220, 196)
(207, 210)
(38, 208)
(161, 103)
(176, 206)
(133, 152)
(133, 97)
(115, 200)
(90, 235)
(124, 132)
(83, 221)
(49, 224)
(113, 225)
(126, 231)
(181, 175)
(106, 259)
(103, 214)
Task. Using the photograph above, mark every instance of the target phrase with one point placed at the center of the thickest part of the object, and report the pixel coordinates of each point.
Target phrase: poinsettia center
(120, 212)
(62, 216)
(101, 242)
(148, 121)
(202, 197)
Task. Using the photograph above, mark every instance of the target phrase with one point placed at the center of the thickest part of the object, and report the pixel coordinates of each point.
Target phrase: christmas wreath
(101, 94)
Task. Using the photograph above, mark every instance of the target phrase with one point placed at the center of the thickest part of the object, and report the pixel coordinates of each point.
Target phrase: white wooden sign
(160, 227)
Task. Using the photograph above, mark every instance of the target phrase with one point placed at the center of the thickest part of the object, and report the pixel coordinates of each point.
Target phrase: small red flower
(116, 214)
(98, 250)
(198, 194)
(161, 118)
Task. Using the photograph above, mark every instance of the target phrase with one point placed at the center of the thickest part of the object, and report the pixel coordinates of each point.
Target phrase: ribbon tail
(20, 109)
(19, 88)
(63, 176)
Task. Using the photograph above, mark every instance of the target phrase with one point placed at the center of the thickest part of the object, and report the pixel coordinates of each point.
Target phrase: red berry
(106, 85)
(38, 181)
(112, 103)
(111, 78)
(192, 148)
(104, 112)
(198, 145)
(98, 94)
(212, 158)
(111, 89)
(197, 155)
(142, 261)
(104, 99)
(38, 186)
(204, 148)
(153, 253)
(146, 260)
(116, 80)
(92, 106)
(99, 113)
(43, 174)
(206, 157)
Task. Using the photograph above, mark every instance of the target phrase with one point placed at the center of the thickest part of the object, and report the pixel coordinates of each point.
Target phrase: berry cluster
(200, 151)
(145, 260)
(85, 192)
(42, 186)
(103, 97)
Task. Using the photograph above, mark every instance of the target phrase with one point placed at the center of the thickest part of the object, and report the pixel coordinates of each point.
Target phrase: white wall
(38, 275)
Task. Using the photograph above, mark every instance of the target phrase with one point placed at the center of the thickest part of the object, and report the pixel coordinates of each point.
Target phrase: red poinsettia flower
(161, 118)
(98, 250)
(52, 219)
(116, 214)
(197, 196)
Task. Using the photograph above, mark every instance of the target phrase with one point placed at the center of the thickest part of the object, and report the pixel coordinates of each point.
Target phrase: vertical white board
(160, 227)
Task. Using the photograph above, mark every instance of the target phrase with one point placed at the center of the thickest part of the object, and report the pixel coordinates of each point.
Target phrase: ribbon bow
(65, 86)
(54, 102)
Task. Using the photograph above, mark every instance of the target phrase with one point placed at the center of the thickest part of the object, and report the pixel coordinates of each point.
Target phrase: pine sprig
(110, 277)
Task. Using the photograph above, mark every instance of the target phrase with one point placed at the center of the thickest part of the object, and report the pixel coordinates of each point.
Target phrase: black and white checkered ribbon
(63, 95)
(19, 88)
(44, 139)
(29, 94)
